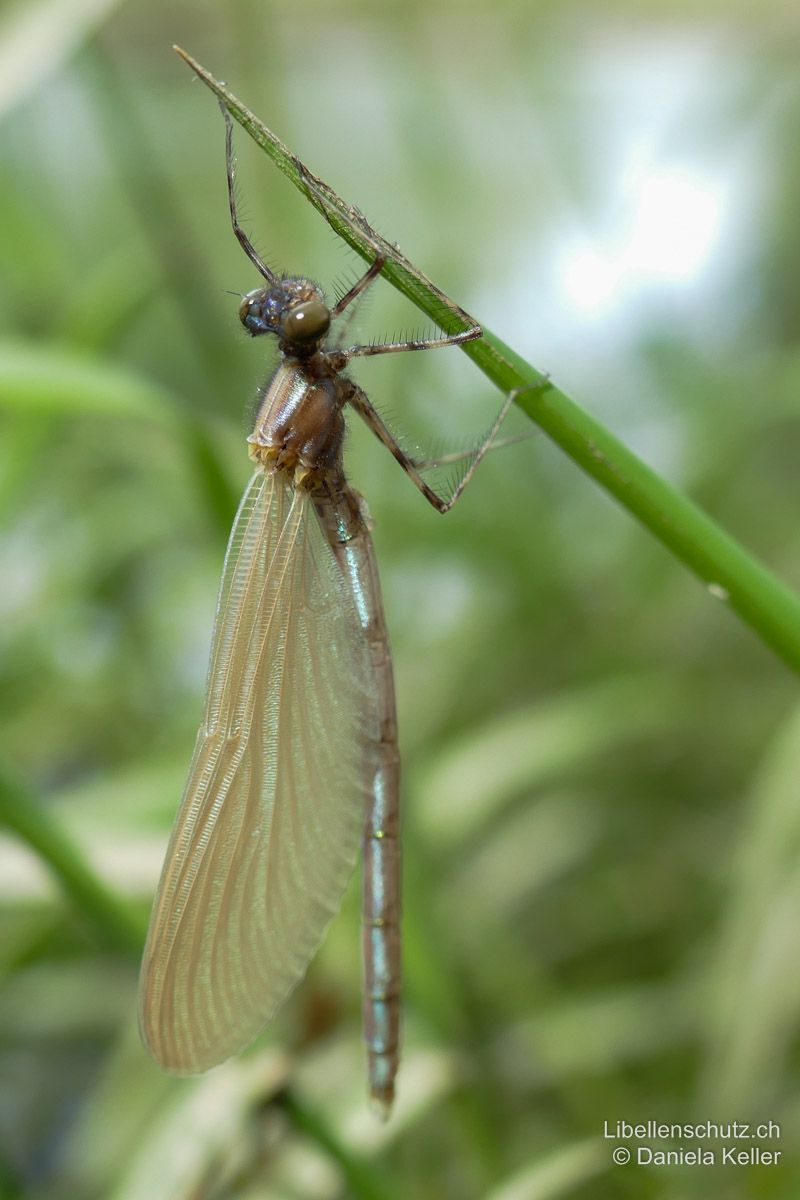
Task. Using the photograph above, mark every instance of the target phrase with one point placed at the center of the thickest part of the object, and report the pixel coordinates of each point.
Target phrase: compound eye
(254, 312)
(307, 321)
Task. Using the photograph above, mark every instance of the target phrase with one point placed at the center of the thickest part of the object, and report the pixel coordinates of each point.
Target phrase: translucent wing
(269, 826)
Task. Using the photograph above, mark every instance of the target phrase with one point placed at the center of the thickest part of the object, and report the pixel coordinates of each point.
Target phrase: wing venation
(268, 829)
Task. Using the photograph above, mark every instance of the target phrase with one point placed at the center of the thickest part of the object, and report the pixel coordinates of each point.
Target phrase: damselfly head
(293, 309)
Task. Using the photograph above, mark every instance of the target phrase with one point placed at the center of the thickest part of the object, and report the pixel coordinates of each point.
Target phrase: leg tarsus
(412, 467)
(481, 451)
(494, 444)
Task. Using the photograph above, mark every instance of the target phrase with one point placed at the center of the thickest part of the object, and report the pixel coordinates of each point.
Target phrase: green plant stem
(23, 815)
(732, 575)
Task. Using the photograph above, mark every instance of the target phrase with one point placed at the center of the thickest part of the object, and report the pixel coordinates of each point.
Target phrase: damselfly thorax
(300, 423)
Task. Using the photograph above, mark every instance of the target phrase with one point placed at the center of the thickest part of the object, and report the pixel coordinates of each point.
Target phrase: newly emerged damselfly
(296, 759)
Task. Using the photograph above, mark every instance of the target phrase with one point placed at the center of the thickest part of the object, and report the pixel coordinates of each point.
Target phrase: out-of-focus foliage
(602, 817)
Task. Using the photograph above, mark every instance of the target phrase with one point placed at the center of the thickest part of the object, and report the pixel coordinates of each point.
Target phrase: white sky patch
(666, 235)
(590, 280)
(659, 218)
(675, 226)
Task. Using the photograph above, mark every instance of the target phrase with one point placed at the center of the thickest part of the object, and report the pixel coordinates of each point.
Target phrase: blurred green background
(602, 812)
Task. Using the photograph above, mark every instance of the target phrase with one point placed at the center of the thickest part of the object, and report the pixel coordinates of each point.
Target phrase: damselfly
(296, 757)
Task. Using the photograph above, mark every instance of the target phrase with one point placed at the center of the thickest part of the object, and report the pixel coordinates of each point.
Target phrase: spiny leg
(442, 460)
(372, 272)
(243, 239)
(456, 456)
(361, 403)
(362, 351)
(345, 323)
(358, 287)
(324, 197)
(434, 343)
